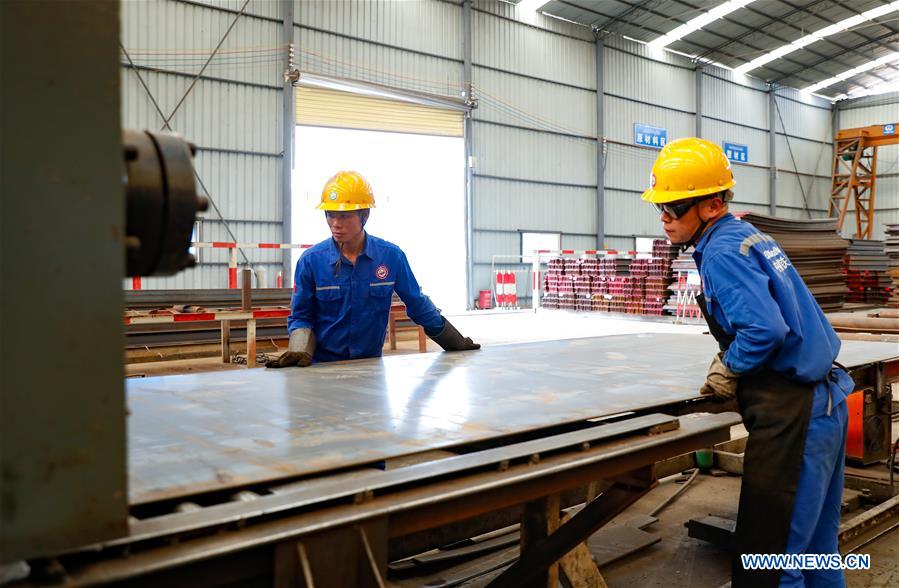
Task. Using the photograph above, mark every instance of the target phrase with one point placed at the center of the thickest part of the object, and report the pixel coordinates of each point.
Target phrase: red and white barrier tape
(231, 245)
(585, 252)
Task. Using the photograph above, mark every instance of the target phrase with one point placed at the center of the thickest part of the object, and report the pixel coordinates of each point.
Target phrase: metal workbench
(195, 433)
(263, 477)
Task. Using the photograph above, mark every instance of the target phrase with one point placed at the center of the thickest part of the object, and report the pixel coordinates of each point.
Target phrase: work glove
(720, 381)
(299, 350)
(452, 340)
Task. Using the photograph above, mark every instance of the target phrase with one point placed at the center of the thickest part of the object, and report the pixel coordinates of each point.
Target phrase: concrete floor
(678, 561)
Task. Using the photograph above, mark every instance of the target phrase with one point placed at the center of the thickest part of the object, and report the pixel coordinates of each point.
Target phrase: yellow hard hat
(346, 190)
(689, 168)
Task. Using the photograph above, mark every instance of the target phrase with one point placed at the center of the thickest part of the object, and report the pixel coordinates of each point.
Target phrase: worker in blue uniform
(777, 359)
(344, 285)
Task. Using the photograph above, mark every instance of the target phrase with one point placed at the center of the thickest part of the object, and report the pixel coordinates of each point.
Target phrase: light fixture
(531, 5)
(833, 29)
(879, 88)
(697, 23)
(883, 60)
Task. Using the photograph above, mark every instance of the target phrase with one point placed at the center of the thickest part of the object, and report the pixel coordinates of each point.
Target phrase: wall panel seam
(537, 182)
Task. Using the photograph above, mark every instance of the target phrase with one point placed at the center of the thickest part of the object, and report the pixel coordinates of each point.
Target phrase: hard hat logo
(346, 190)
(689, 168)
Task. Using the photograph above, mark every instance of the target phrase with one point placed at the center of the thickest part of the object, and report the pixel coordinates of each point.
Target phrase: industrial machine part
(868, 436)
(340, 529)
(161, 202)
(855, 173)
(268, 473)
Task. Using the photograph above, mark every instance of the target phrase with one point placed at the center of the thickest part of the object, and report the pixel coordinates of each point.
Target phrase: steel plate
(195, 433)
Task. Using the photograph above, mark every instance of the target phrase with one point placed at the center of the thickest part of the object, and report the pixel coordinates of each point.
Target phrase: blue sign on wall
(736, 152)
(889, 129)
(650, 136)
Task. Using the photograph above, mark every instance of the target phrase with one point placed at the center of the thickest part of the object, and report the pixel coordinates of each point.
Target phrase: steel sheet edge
(202, 432)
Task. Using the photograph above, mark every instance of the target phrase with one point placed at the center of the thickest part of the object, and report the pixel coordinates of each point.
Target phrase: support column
(772, 152)
(698, 99)
(63, 454)
(288, 128)
(834, 166)
(469, 220)
(600, 144)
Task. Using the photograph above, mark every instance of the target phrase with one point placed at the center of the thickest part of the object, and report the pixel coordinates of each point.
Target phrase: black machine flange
(161, 203)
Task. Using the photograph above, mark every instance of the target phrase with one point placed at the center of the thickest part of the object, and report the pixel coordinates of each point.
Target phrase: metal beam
(409, 509)
(624, 14)
(772, 151)
(773, 19)
(469, 155)
(843, 48)
(826, 59)
(730, 19)
(674, 19)
(288, 133)
(600, 143)
(699, 108)
(62, 437)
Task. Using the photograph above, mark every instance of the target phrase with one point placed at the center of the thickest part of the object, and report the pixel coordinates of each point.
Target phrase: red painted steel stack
(611, 283)
(659, 277)
(865, 267)
(616, 284)
(891, 248)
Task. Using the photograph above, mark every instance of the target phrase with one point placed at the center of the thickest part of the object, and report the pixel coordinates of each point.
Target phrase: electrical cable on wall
(792, 158)
(196, 174)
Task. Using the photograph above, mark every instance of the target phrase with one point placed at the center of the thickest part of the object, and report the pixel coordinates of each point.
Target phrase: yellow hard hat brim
(342, 206)
(665, 196)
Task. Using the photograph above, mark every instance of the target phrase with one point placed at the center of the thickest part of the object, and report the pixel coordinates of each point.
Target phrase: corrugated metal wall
(877, 110)
(533, 133)
(232, 115)
(804, 152)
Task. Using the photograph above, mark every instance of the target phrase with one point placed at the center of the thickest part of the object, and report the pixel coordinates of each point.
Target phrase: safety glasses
(676, 210)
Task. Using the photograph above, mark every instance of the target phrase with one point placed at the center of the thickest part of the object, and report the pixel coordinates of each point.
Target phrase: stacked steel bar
(553, 281)
(610, 284)
(658, 279)
(617, 285)
(891, 248)
(865, 268)
(636, 301)
(590, 274)
(685, 287)
(578, 297)
(814, 248)
(567, 286)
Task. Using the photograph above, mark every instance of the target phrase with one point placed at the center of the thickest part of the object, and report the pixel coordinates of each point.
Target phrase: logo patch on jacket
(382, 272)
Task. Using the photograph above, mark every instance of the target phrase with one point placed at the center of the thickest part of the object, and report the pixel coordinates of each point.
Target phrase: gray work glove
(299, 350)
(452, 340)
(720, 381)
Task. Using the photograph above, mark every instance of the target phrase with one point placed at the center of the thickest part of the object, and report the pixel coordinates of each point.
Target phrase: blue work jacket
(348, 311)
(758, 297)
